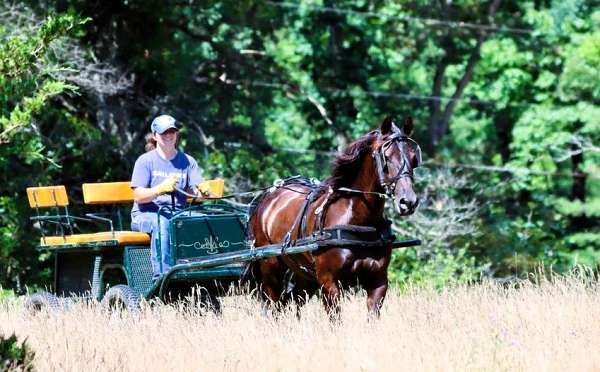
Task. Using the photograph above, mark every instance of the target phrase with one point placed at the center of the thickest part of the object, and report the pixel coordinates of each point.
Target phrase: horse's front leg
(330, 296)
(375, 297)
(330, 266)
(376, 288)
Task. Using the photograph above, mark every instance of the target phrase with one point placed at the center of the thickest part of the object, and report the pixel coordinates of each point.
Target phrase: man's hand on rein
(204, 189)
(166, 186)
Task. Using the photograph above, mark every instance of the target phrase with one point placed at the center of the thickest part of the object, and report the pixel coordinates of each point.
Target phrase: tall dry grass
(550, 326)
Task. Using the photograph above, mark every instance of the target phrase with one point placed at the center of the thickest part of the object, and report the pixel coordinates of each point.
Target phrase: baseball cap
(162, 123)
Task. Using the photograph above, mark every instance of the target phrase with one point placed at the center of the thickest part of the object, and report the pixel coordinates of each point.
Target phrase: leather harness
(345, 236)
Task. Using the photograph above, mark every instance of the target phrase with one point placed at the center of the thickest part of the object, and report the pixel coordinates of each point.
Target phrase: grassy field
(551, 326)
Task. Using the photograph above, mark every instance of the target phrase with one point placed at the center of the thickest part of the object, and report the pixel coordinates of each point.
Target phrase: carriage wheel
(42, 301)
(122, 297)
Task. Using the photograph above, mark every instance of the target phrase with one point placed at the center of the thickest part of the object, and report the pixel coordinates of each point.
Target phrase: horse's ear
(386, 126)
(408, 126)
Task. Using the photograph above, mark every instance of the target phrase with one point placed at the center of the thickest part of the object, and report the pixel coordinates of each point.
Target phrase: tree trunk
(503, 125)
(439, 124)
(578, 189)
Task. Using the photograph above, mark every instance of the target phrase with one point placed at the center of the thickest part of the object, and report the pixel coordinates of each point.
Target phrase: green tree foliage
(26, 90)
(504, 94)
(542, 133)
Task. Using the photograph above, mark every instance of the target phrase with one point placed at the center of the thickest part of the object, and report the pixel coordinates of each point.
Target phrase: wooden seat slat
(107, 193)
(47, 196)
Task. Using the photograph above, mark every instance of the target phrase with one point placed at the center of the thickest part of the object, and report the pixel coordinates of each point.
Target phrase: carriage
(212, 243)
(208, 245)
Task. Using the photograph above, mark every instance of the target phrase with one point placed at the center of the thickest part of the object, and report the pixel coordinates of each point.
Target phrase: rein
(380, 194)
(197, 197)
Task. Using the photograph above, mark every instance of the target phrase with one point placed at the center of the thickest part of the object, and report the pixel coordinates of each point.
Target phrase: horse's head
(396, 155)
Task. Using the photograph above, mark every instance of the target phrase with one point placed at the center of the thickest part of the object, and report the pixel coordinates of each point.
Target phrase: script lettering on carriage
(210, 245)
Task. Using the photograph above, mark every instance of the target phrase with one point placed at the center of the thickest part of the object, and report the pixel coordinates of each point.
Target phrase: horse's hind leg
(298, 294)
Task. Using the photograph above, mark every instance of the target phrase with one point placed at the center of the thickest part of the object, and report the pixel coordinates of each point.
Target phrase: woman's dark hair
(150, 142)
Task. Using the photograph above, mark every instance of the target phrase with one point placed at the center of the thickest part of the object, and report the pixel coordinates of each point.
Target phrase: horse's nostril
(402, 205)
(406, 205)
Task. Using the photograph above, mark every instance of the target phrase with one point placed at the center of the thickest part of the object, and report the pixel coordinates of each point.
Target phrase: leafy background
(504, 93)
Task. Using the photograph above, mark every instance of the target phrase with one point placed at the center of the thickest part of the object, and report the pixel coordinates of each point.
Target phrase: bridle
(381, 162)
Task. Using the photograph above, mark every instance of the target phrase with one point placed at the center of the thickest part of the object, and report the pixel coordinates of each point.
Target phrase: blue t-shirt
(151, 169)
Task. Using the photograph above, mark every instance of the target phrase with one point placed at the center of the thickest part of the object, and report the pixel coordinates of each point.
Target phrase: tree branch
(443, 125)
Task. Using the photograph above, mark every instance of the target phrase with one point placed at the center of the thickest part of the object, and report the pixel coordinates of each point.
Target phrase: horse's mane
(346, 164)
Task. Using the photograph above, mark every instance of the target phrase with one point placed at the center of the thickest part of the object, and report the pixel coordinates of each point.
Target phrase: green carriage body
(196, 234)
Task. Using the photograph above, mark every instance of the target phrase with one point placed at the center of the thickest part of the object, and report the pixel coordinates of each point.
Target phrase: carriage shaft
(235, 257)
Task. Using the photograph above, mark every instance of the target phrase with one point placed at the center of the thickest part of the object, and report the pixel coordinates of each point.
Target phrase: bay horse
(378, 164)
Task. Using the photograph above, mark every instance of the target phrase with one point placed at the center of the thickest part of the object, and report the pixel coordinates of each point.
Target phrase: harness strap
(314, 194)
(321, 211)
(343, 236)
(379, 167)
(302, 271)
(287, 240)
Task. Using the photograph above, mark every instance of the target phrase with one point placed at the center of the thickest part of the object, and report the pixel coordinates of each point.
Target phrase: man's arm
(143, 195)
(147, 194)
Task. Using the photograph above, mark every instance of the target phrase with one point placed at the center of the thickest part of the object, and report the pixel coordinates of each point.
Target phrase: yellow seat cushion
(122, 237)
